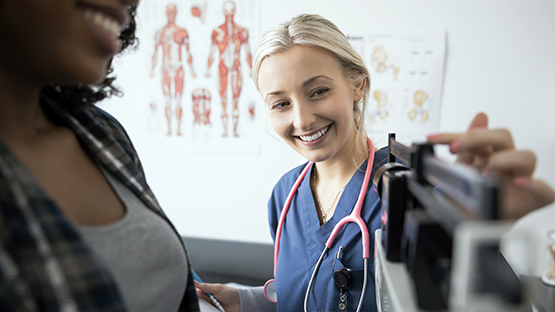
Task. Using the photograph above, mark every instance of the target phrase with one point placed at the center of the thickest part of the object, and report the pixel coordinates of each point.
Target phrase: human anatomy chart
(406, 73)
(199, 93)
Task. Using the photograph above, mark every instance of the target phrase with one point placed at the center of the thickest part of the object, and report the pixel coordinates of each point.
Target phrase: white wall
(500, 60)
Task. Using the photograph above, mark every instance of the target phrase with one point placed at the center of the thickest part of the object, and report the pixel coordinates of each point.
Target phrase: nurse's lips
(314, 136)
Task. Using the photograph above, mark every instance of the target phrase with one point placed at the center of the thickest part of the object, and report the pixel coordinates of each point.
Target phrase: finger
(513, 163)
(443, 138)
(448, 138)
(202, 286)
(460, 142)
(530, 196)
(479, 121)
(466, 158)
(480, 140)
(200, 293)
(464, 153)
(543, 193)
(210, 288)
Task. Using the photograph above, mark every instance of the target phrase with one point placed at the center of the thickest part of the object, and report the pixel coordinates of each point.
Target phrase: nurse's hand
(493, 150)
(227, 296)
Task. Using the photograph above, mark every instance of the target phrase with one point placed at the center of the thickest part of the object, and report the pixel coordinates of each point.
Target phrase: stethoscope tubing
(286, 205)
(313, 276)
(354, 216)
(317, 267)
(285, 209)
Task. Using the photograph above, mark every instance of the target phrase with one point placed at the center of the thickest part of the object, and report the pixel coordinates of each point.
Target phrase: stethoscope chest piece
(270, 290)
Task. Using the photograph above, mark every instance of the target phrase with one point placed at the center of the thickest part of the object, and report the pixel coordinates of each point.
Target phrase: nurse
(316, 106)
(315, 88)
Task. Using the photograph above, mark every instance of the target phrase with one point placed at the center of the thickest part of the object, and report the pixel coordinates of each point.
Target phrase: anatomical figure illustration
(420, 96)
(252, 107)
(198, 10)
(380, 62)
(381, 99)
(201, 106)
(171, 39)
(229, 38)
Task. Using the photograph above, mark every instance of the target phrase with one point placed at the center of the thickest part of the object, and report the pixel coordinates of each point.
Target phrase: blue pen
(215, 301)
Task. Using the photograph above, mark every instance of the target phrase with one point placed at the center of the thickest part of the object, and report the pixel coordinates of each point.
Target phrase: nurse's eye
(279, 105)
(320, 92)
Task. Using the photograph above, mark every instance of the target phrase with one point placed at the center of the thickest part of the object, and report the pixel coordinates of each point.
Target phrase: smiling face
(310, 103)
(63, 41)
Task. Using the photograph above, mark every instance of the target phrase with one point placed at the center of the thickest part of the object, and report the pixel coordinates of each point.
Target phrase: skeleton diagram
(379, 62)
(229, 38)
(201, 106)
(420, 96)
(381, 98)
(171, 38)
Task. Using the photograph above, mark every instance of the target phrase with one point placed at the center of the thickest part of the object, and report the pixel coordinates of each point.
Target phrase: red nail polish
(455, 146)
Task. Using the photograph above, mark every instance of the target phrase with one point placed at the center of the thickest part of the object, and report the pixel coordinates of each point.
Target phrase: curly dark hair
(75, 98)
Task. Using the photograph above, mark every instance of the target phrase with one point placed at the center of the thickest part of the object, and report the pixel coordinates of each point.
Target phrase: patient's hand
(227, 296)
(493, 150)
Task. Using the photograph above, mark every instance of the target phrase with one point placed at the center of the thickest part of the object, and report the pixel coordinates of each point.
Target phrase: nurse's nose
(304, 116)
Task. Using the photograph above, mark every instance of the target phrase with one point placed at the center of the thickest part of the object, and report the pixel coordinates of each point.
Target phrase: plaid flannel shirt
(44, 264)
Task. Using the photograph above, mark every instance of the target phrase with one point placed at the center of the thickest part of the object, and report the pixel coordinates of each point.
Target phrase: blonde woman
(314, 87)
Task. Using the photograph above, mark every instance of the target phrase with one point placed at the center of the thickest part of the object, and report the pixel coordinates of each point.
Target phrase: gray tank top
(143, 253)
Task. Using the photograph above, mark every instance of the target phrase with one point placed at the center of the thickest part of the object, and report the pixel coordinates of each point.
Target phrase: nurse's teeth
(103, 21)
(315, 136)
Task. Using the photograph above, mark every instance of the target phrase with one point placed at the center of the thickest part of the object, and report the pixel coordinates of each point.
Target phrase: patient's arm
(493, 150)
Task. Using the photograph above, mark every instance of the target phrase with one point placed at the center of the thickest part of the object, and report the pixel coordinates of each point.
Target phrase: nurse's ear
(360, 85)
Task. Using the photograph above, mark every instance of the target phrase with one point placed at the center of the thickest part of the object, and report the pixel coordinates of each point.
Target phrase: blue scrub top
(303, 240)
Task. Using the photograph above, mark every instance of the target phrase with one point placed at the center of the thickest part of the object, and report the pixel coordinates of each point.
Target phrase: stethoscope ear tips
(343, 278)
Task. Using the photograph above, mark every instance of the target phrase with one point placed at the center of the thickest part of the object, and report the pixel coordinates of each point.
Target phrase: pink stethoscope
(269, 287)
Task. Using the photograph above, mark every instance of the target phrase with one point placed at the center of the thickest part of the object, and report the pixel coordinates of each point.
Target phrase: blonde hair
(315, 31)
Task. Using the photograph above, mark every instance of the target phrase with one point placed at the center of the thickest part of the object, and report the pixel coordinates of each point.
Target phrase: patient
(80, 229)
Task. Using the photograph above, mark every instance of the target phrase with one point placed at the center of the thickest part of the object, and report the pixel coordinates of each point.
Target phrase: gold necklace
(324, 212)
